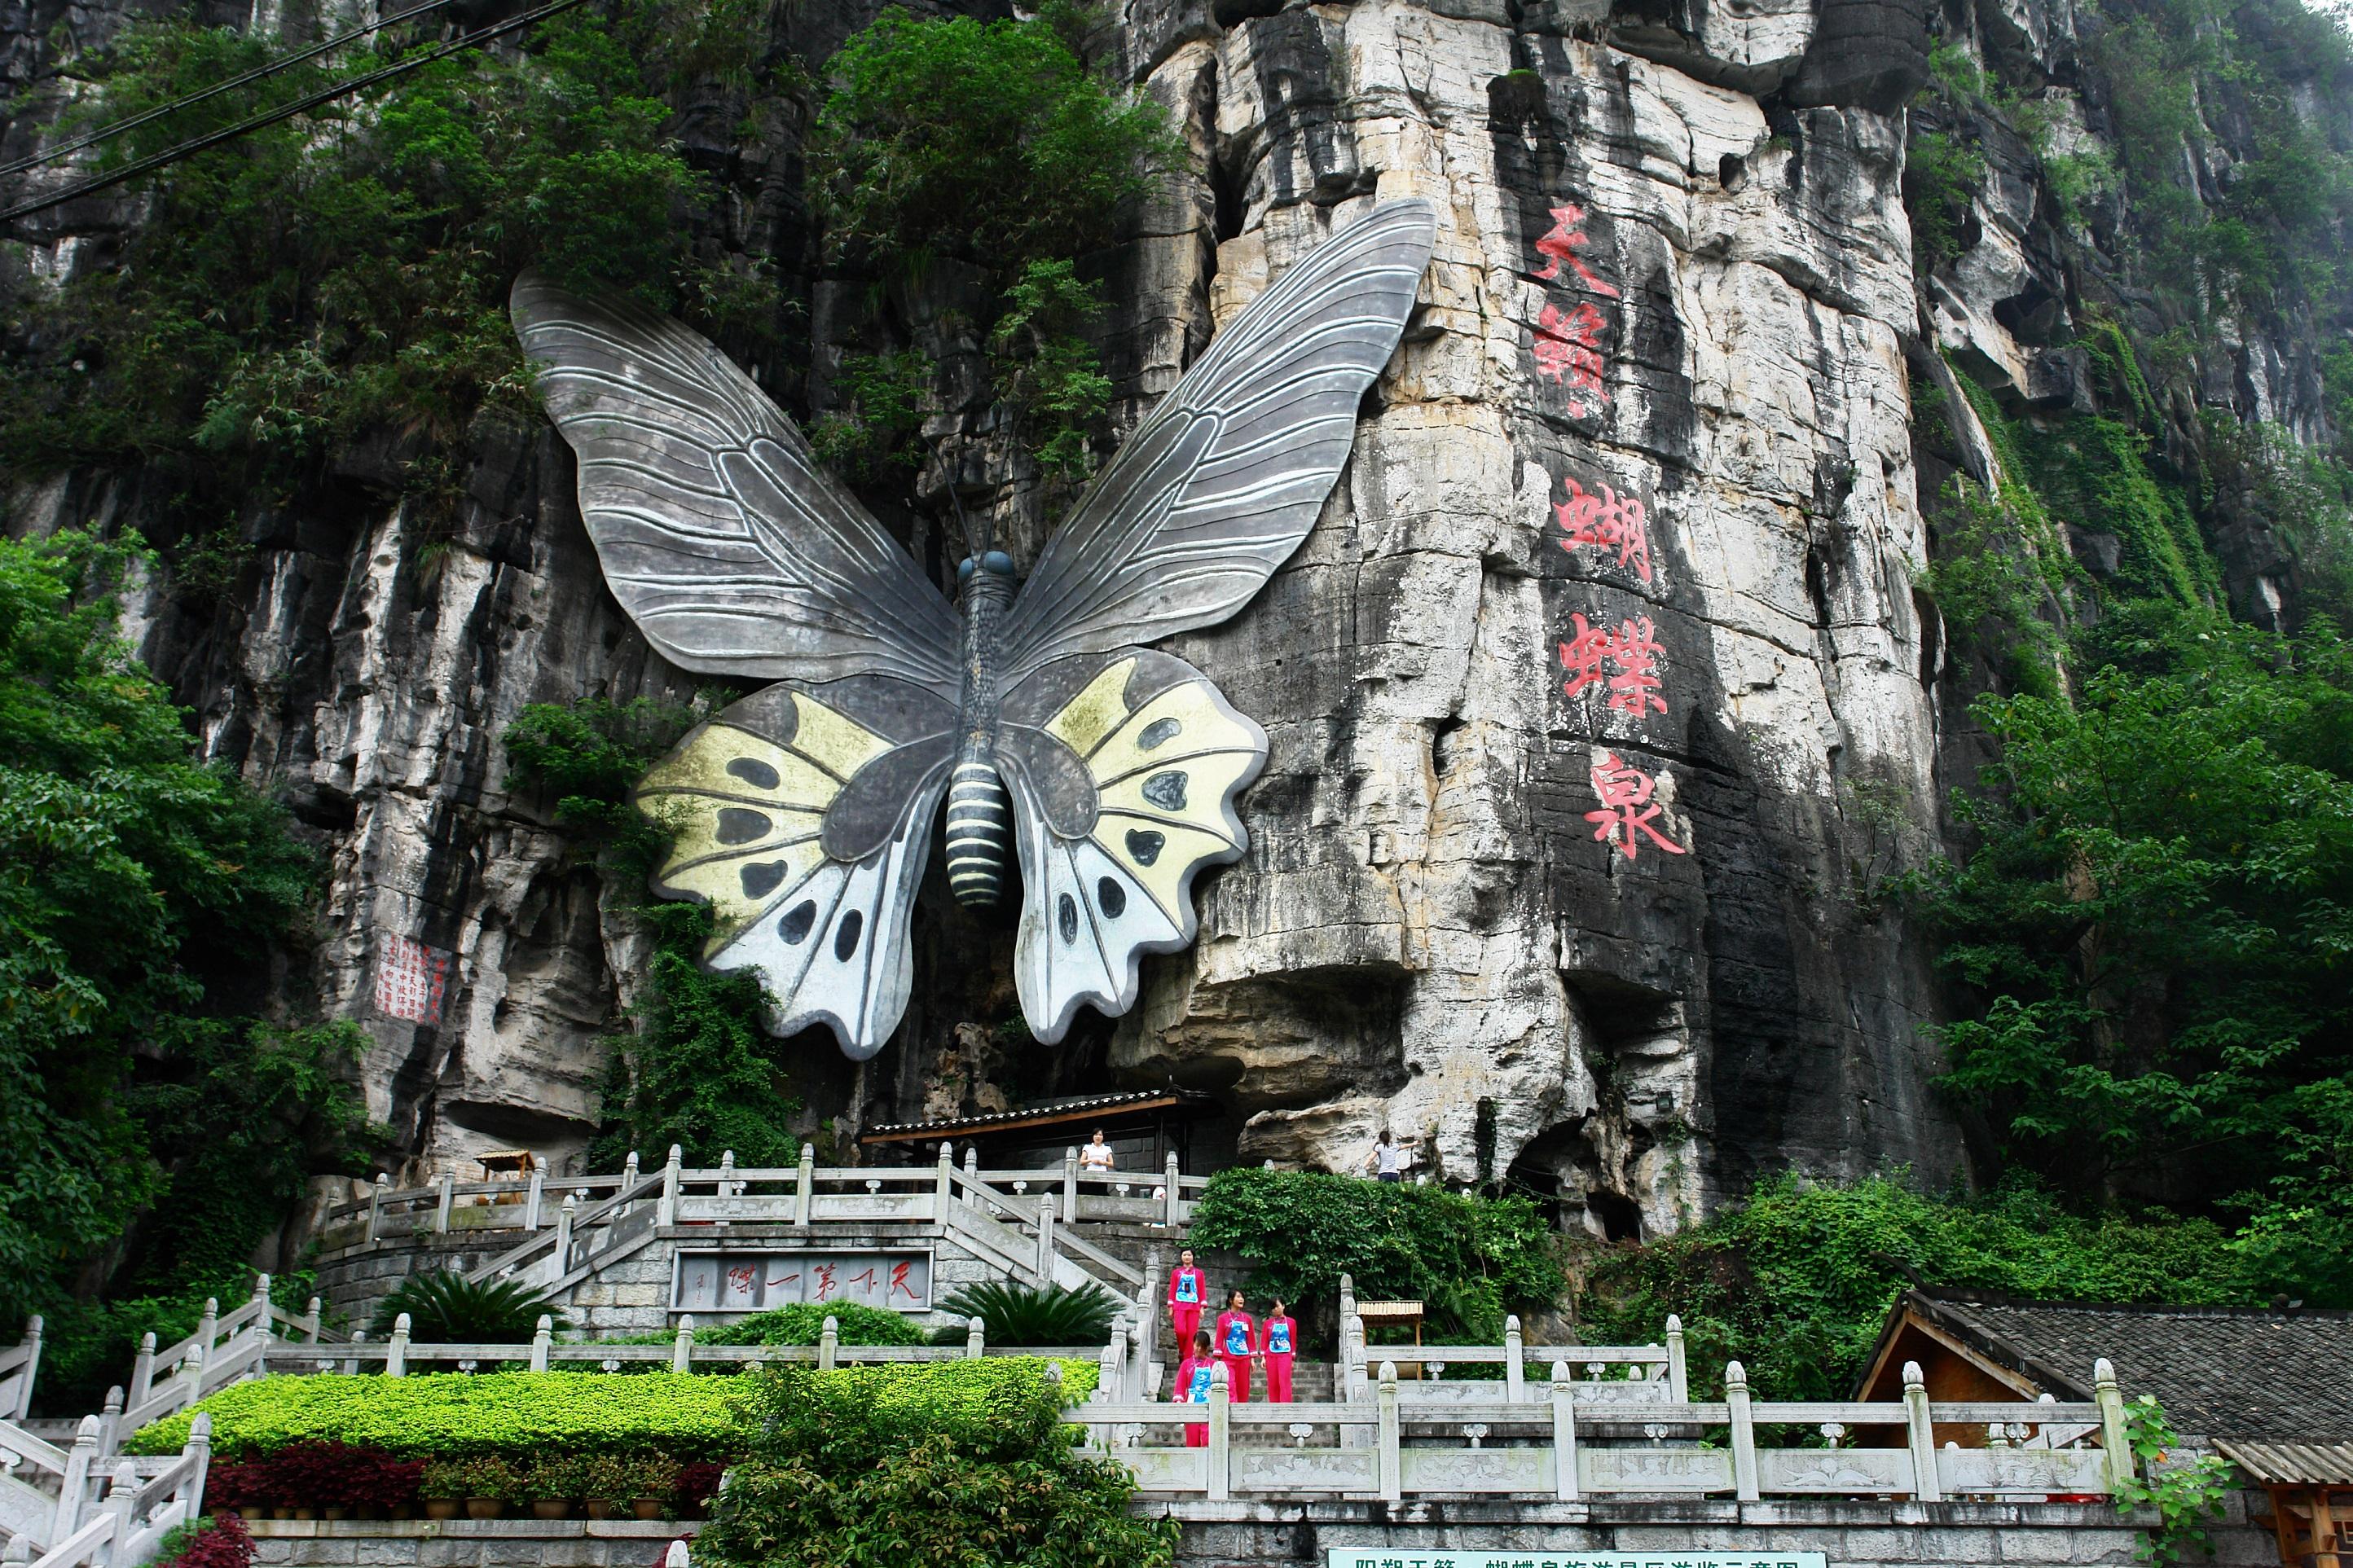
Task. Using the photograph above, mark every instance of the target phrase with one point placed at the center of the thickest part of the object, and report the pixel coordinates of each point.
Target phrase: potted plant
(653, 1481)
(489, 1481)
(552, 1485)
(604, 1485)
(442, 1486)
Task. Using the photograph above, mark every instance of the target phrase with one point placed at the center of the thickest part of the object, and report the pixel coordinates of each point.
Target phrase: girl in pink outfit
(1193, 1374)
(1278, 1340)
(1235, 1337)
(1187, 1291)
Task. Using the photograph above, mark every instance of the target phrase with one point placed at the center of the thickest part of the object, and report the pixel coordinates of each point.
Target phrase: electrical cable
(107, 132)
(211, 139)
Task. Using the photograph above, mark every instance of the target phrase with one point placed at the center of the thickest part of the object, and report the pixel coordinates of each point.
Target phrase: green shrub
(970, 1468)
(803, 1323)
(1941, 176)
(1474, 1258)
(1796, 1282)
(1030, 1315)
(446, 1307)
(461, 1413)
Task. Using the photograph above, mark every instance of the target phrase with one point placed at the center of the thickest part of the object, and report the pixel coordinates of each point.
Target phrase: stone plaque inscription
(756, 1281)
(1696, 1557)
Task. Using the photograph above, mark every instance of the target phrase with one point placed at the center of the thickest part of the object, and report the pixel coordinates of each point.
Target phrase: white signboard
(1698, 1557)
(756, 1281)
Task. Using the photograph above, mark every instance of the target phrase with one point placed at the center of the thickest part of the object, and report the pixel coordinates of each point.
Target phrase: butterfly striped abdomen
(980, 822)
(980, 816)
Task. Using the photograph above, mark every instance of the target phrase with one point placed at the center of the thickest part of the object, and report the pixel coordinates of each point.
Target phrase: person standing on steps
(1235, 1332)
(1193, 1374)
(1278, 1338)
(1187, 1291)
(1095, 1159)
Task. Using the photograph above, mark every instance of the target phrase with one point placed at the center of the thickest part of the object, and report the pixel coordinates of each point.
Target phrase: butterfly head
(988, 575)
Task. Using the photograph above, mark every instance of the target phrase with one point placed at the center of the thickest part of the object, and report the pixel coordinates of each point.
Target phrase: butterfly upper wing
(1218, 486)
(803, 817)
(718, 533)
(1124, 774)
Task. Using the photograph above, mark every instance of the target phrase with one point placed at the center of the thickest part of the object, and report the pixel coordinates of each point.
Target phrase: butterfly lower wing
(803, 819)
(1124, 772)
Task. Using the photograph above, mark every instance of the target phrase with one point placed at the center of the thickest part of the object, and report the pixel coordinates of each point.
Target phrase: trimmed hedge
(680, 1413)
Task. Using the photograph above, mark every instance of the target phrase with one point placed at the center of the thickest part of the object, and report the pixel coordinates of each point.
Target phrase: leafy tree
(2154, 927)
(843, 1475)
(139, 892)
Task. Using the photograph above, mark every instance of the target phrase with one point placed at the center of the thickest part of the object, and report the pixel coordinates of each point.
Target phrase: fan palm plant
(446, 1307)
(1027, 1315)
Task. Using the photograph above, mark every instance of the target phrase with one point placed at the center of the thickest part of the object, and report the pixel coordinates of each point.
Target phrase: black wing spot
(1110, 898)
(1066, 916)
(795, 927)
(1167, 790)
(845, 935)
(1157, 734)
(753, 772)
(1145, 845)
(738, 825)
(762, 877)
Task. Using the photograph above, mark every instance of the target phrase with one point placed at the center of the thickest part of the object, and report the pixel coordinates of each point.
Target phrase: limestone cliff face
(1600, 696)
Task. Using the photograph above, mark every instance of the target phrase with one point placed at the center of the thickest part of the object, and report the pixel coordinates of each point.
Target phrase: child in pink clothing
(1278, 1341)
(1193, 1374)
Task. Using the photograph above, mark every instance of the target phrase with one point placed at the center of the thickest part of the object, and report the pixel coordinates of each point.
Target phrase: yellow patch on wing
(746, 810)
(1095, 712)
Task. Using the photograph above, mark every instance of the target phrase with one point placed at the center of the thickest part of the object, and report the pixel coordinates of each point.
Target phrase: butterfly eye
(964, 570)
(998, 562)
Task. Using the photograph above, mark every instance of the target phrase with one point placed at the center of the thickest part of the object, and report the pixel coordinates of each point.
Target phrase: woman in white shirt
(1096, 1155)
(1387, 1159)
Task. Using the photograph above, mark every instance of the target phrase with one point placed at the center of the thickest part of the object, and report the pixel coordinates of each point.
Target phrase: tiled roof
(2249, 1372)
(1037, 1115)
(2293, 1464)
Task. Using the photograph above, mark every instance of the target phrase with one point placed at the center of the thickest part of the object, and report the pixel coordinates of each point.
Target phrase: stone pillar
(1221, 1450)
(76, 1480)
(944, 1193)
(1071, 1185)
(22, 1404)
(564, 1218)
(1563, 1433)
(1743, 1433)
(1678, 1381)
(1392, 1468)
(541, 1338)
(1045, 1238)
(666, 1211)
(375, 1202)
(143, 1371)
(805, 1193)
(442, 1204)
(829, 1345)
(532, 1198)
(1925, 1485)
(1176, 1212)
(681, 1345)
(2115, 1443)
(976, 1334)
(395, 1352)
(1514, 1385)
(110, 1423)
(200, 1452)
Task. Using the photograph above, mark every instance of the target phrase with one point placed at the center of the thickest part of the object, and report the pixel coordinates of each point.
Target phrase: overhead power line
(303, 105)
(108, 133)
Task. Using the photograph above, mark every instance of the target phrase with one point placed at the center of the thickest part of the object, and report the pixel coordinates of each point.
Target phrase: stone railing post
(110, 1423)
(351, 1368)
(1921, 1435)
(16, 1549)
(677, 1556)
(542, 1337)
(199, 1451)
(945, 1192)
(727, 1184)
(142, 1371)
(1176, 1212)
(122, 1502)
(1678, 1380)
(376, 1203)
(2115, 1442)
(1071, 1185)
(805, 1189)
(1045, 1238)
(395, 1350)
(22, 1405)
(666, 1210)
(1515, 1380)
(1743, 1433)
(1563, 1433)
(445, 1201)
(829, 1345)
(1392, 1468)
(681, 1345)
(976, 1334)
(191, 1375)
(1347, 1298)
(533, 1196)
(1359, 1367)
(1107, 1378)
(566, 1215)
(76, 1480)
(209, 1325)
(1220, 1435)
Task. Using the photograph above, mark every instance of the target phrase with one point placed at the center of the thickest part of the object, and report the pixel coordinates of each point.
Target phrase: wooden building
(2270, 1389)
(1143, 1127)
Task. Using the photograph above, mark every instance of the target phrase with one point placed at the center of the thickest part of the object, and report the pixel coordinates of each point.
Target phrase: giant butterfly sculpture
(804, 813)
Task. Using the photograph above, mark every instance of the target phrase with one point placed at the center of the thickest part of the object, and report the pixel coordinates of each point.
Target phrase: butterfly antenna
(977, 542)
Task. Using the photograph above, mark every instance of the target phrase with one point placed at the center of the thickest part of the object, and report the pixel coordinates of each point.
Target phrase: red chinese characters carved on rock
(1626, 807)
(1632, 648)
(1606, 521)
(1566, 352)
(1563, 244)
